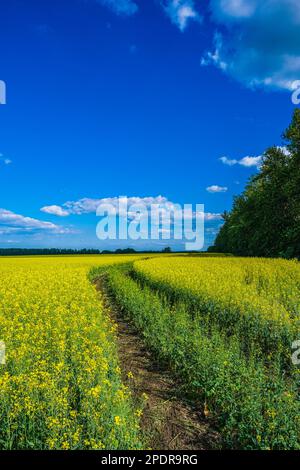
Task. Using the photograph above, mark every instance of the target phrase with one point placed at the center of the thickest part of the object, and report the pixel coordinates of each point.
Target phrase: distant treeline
(265, 218)
(44, 251)
(57, 251)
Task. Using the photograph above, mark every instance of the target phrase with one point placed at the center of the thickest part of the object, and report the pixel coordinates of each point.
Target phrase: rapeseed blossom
(257, 298)
(61, 385)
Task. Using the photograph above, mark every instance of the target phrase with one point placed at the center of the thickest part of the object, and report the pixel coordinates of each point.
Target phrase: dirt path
(168, 422)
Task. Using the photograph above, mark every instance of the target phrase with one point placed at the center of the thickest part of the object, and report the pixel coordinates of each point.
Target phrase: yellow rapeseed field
(60, 387)
(226, 326)
(259, 297)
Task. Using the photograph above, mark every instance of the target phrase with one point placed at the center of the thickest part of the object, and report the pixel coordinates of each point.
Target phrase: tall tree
(265, 218)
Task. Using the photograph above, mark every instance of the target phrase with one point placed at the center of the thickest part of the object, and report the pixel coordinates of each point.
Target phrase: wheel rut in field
(168, 422)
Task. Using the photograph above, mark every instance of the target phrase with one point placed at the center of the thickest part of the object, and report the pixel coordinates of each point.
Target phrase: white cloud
(90, 206)
(228, 161)
(55, 210)
(216, 189)
(251, 161)
(211, 216)
(259, 44)
(11, 222)
(256, 42)
(181, 12)
(4, 160)
(121, 7)
(245, 161)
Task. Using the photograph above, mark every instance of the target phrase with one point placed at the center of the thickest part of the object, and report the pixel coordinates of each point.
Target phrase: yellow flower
(60, 355)
(52, 443)
(118, 420)
(95, 391)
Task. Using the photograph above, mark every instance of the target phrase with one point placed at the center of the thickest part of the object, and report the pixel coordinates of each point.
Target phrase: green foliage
(265, 219)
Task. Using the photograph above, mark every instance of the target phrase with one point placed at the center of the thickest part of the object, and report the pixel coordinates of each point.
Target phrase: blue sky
(174, 98)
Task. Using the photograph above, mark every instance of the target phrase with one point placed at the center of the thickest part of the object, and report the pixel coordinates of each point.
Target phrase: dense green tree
(265, 218)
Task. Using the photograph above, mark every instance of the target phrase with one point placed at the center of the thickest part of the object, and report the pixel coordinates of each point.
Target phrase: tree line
(265, 218)
(45, 251)
(58, 251)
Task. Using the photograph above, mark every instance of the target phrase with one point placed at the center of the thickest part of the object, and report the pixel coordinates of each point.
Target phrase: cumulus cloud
(216, 189)
(55, 210)
(90, 206)
(247, 162)
(256, 42)
(251, 161)
(181, 12)
(259, 44)
(11, 222)
(120, 7)
(228, 161)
